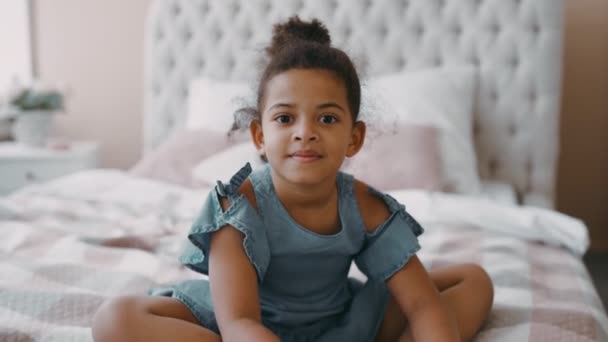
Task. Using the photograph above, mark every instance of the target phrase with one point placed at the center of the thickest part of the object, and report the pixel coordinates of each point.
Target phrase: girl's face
(306, 128)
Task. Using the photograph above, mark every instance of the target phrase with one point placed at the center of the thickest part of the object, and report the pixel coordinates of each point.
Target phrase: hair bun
(294, 29)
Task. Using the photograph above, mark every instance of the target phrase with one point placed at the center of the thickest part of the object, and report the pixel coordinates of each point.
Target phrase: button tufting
(231, 63)
(532, 96)
(512, 129)
(204, 8)
(170, 63)
(383, 31)
(333, 4)
(299, 6)
(236, 8)
(187, 35)
(402, 62)
(176, 10)
(169, 121)
(457, 30)
(217, 35)
(347, 31)
(474, 60)
(493, 95)
(514, 62)
(536, 28)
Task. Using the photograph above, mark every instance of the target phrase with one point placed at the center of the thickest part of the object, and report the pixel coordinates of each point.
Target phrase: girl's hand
(249, 331)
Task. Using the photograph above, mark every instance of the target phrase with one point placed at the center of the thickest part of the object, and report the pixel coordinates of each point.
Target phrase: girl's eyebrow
(321, 106)
(330, 105)
(289, 105)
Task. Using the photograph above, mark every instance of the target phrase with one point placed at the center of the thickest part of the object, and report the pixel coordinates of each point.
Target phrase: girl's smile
(306, 156)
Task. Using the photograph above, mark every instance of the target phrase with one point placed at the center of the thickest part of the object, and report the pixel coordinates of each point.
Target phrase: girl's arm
(420, 302)
(234, 286)
(411, 286)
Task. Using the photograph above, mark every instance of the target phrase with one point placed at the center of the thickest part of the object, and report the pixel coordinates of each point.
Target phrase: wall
(583, 169)
(96, 48)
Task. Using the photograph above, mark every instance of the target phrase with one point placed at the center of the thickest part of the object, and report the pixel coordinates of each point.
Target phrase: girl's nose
(305, 131)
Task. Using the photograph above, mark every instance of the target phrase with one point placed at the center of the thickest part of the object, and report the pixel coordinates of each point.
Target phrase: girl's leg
(148, 318)
(465, 289)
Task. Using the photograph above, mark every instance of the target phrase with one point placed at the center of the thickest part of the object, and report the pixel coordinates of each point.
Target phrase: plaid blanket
(63, 254)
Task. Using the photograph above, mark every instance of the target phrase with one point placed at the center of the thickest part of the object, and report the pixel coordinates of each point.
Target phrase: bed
(72, 243)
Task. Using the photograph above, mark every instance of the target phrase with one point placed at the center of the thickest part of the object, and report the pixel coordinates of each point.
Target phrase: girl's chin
(309, 174)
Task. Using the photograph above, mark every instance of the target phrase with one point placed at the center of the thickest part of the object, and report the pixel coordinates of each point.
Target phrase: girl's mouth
(305, 156)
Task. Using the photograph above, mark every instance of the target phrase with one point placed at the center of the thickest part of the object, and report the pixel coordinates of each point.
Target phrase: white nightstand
(22, 165)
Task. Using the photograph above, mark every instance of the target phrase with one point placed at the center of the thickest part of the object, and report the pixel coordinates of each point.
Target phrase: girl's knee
(481, 281)
(115, 319)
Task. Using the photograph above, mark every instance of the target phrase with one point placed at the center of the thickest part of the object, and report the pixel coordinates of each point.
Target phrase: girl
(278, 243)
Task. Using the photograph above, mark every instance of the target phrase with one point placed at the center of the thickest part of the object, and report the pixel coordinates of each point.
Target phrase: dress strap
(231, 188)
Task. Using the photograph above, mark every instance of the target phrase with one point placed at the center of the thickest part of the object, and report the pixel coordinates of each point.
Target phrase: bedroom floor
(597, 264)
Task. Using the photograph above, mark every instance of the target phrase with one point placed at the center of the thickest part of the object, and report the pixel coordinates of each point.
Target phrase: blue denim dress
(305, 294)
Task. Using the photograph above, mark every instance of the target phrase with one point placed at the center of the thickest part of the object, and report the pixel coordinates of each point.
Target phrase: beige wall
(583, 170)
(96, 48)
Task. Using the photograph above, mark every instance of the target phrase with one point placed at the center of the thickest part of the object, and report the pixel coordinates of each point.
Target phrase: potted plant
(31, 109)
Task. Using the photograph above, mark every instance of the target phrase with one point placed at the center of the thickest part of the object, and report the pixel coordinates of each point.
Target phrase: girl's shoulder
(372, 205)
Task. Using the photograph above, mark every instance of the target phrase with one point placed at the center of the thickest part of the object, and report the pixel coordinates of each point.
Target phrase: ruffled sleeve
(392, 244)
(241, 215)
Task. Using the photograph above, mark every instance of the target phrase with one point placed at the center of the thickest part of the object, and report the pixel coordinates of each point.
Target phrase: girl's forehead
(305, 82)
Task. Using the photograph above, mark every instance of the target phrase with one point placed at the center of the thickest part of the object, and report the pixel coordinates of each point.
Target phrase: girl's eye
(283, 118)
(328, 119)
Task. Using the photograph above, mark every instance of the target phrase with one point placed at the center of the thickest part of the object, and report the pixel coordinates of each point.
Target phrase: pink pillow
(400, 157)
(173, 160)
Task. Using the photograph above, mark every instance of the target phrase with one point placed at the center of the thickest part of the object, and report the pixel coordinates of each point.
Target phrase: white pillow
(211, 103)
(223, 165)
(442, 98)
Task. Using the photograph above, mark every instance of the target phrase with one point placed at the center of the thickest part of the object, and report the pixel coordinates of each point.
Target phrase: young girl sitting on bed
(278, 243)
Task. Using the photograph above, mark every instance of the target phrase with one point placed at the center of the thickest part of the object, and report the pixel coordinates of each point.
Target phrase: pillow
(222, 165)
(442, 98)
(211, 104)
(172, 161)
(403, 157)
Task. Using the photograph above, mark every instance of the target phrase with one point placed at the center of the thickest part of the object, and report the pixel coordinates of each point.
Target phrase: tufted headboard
(516, 44)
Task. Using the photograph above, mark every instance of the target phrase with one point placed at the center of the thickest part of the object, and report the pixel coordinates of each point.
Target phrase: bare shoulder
(246, 189)
(372, 208)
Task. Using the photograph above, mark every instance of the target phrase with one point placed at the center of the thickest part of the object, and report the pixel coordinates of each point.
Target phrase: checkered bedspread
(61, 257)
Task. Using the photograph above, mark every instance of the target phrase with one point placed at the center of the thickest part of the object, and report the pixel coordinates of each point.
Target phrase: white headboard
(517, 45)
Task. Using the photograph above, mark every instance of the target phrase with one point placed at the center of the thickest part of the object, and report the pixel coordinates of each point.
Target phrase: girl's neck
(304, 195)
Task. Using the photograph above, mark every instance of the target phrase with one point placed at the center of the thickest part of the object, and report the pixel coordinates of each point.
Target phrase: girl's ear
(257, 135)
(357, 138)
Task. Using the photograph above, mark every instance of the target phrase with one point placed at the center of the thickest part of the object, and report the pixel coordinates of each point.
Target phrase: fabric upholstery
(516, 44)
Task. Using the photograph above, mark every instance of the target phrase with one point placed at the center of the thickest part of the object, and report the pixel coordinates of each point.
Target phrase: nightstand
(21, 165)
